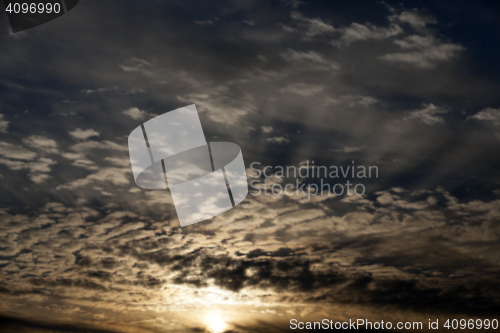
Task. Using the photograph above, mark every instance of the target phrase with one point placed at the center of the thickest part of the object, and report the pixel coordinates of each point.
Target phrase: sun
(215, 323)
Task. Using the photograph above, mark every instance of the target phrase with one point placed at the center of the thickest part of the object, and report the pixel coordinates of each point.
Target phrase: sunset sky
(411, 88)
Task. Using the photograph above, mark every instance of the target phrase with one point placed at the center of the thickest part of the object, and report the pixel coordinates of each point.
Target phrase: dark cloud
(412, 90)
(12, 324)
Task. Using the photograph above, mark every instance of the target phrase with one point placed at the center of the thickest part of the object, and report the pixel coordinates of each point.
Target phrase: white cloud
(122, 162)
(353, 100)
(360, 32)
(416, 18)
(423, 51)
(4, 124)
(72, 156)
(42, 165)
(309, 61)
(279, 140)
(113, 90)
(139, 65)
(429, 114)
(303, 89)
(81, 134)
(348, 149)
(19, 158)
(10, 151)
(37, 169)
(79, 160)
(42, 143)
(114, 176)
(87, 145)
(487, 114)
(423, 56)
(135, 113)
(14, 165)
(266, 129)
(220, 105)
(309, 27)
(85, 163)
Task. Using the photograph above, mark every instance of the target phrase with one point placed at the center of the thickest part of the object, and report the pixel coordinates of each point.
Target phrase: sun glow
(215, 323)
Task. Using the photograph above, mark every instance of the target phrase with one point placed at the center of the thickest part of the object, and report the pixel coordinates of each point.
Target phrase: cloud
(37, 169)
(424, 51)
(42, 143)
(23, 325)
(309, 28)
(121, 162)
(309, 60)
(303, 89)
(135, 113)
(81, 134)
(353, 100)
(266, 129)
(112, 91)
(4, 124)
(84, 163)
(362, 32)
(11, 151)
(19, 158)
(366, 254)
(39, 178)
(220, 106)
(105, 251)
(141, 66)
(416, 18)
(279, 140)
(349, 149)
(429, 114)
(114, 176)
(488, 115)
(85, 146)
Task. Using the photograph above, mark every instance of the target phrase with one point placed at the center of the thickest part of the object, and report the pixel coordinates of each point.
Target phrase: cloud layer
(83, 248)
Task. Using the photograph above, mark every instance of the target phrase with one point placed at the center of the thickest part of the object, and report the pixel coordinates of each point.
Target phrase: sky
(411, 88)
